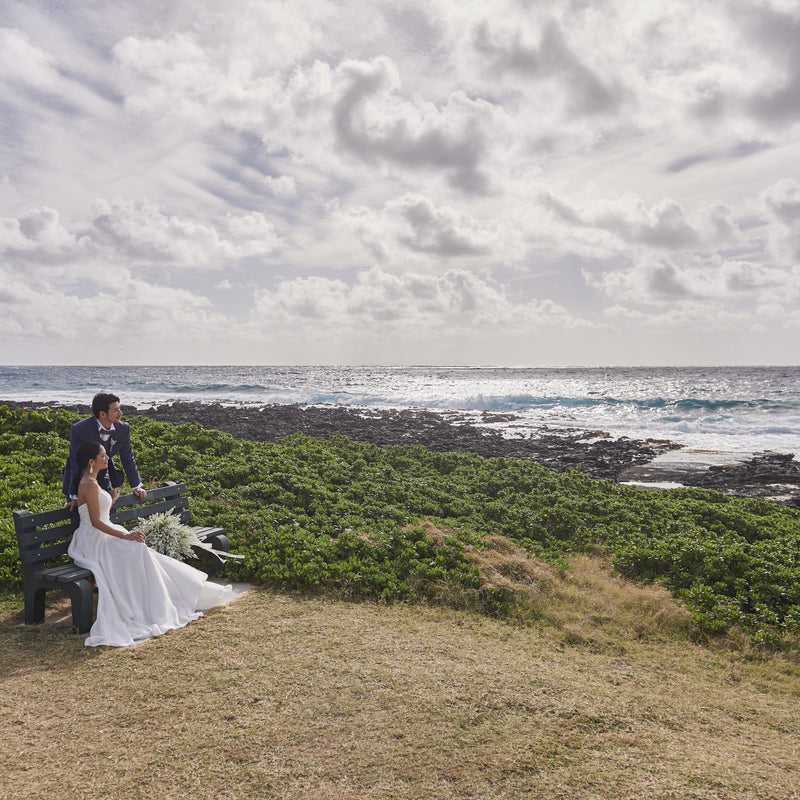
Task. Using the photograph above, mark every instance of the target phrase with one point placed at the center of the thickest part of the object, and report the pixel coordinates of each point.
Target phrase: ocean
(728, 409)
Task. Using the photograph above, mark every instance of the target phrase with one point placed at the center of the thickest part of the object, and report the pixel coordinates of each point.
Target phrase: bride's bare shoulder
(87, 490)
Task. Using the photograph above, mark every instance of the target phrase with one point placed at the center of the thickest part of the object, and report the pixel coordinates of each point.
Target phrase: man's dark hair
(101, 402)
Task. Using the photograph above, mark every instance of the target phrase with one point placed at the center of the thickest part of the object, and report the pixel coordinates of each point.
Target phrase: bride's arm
(93, 504)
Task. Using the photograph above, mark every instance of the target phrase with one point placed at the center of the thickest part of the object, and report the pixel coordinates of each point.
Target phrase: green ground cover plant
(354, 520)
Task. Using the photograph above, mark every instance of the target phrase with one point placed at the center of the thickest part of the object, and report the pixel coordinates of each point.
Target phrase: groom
(104, 427)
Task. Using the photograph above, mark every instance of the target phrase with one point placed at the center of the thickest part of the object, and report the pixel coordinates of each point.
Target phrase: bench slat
(168, 491)
(39, 537)
(24, 520)
(42, 554)
(66, 573)
(141, 512)
(204, 533)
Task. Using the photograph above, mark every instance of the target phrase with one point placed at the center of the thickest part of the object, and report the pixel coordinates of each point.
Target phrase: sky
(509, 182)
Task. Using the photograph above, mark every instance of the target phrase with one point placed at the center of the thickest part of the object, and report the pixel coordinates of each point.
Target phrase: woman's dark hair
(86, 452)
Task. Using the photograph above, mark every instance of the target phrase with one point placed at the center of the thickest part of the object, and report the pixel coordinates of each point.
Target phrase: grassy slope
(278, 697)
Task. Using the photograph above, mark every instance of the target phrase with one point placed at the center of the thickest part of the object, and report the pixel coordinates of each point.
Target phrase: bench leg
(219, 542)
(82, 597)
(34, 605)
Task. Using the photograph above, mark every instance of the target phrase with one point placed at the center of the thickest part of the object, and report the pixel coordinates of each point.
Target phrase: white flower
(168, 535)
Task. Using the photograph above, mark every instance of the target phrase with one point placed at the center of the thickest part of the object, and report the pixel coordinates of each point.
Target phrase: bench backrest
(45, 537)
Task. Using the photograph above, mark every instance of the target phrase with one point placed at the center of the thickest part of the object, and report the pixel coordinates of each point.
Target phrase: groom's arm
(128, 461)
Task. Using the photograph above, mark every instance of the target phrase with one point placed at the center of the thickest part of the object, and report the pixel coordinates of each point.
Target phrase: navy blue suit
(119, 444)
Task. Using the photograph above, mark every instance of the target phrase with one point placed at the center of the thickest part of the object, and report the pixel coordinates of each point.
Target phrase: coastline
(649, 462)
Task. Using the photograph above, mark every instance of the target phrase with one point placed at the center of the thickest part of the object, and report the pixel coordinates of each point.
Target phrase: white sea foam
(747, 409)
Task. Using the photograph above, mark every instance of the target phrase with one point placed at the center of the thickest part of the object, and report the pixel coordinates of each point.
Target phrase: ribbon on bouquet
(222, 555)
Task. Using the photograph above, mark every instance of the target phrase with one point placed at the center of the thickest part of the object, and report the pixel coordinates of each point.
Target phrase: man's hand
(114, 496)
(71, 505)
(141, 494)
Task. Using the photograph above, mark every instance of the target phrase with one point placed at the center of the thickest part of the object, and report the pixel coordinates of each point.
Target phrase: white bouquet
(168, 535)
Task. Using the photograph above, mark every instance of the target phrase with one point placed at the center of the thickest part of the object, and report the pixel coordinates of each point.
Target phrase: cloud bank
(395, 182)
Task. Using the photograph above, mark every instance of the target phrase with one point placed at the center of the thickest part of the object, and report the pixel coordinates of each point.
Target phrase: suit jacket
(118, 445)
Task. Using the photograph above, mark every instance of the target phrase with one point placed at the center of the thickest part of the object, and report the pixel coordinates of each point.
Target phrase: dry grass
(273, 697)
(584, 602)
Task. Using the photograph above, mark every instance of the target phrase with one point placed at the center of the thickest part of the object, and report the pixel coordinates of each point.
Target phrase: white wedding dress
(141, 593)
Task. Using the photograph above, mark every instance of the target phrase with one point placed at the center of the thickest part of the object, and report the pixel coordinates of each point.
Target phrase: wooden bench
(43, 540)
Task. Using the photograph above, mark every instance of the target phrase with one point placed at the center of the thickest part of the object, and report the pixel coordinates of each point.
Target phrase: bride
(141, 593)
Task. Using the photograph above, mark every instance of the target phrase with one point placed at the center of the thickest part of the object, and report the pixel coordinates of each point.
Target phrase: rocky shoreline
(770, 475)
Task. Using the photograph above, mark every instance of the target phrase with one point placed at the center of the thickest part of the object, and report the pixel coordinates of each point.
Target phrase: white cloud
(374, 122)
(22, 62)
(32, 74)
(661, 281)
(626, 221)
(439, 231)
(781, 203)
(119, 315)
(457, 300)
(413, 229)
(252, 234)
(775, 32)
(39, 248)
(180, 78)
(282, 186)
(140, 231)
(581, 89)
(38, 233)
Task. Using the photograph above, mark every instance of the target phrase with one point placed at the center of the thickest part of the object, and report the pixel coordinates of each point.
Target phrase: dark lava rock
(596, 456)
(765, 475)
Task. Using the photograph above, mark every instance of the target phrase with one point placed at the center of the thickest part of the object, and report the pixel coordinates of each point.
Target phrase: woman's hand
(136, 536)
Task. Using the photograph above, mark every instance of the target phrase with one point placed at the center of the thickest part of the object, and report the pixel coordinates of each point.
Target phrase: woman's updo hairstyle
(86, 452)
